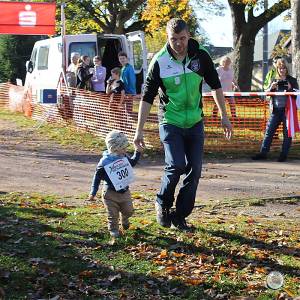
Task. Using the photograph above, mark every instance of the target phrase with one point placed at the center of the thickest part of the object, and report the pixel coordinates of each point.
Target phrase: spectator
(271, 74)
(115, 88)
(177, 71)
(226, 77)
(115, 199)
(83, 73)
(71, 70)
(99, 75)
(115, 85)
(282, 82)
(127, 74)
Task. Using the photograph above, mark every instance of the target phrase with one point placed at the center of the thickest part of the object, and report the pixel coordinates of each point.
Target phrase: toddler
(115, 169)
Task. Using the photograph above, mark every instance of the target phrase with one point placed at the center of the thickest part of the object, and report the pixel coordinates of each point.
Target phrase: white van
(45, 65)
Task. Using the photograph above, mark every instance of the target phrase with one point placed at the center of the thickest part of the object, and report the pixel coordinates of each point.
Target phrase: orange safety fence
(99, 113)
(4, 87)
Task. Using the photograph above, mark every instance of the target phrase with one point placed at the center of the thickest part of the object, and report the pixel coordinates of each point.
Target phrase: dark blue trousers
(277, 117)
(183, 155)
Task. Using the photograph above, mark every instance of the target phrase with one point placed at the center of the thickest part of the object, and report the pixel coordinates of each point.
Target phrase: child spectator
(127, 74)
(115, 85)
(99, 75)
(115, 194)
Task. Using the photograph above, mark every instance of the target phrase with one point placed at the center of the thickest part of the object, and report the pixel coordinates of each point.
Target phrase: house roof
(218, 52)
(273, 40)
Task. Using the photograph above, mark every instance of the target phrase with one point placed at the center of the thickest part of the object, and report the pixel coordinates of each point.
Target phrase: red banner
(27, 18)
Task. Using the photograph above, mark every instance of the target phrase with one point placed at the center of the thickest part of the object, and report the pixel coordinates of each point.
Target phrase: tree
(15, 50)
(245, 28)
(157, 13)
(107, 16)
(119, 16)
(295, 4)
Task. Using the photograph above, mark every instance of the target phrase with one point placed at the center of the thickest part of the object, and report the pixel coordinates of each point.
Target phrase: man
(178, 70)
(127, 74)
(71, 70)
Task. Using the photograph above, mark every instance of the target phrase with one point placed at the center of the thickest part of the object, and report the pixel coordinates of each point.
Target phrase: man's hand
(227, 127)
(139, 141)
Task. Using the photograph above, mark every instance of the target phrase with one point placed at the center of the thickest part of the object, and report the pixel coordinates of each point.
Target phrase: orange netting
(95, 113)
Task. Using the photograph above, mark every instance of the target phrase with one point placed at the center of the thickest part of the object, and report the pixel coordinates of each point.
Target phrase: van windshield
(83, 48)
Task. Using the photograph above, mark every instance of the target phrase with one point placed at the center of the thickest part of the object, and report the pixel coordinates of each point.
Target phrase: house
(275, 40)
(217, 52)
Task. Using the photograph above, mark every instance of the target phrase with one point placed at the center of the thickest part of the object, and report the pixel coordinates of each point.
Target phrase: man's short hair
(176, 25)
(122, 53)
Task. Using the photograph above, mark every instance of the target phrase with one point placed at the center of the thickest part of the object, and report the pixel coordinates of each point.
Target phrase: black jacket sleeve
(210, 75)
(134, 158)
(98, 176)
(293, 82)
(153, 82)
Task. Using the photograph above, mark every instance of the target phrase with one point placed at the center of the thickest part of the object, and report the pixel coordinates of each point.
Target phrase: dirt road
(31, 163)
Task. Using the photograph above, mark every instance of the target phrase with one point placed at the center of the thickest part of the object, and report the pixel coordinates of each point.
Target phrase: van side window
(33, 57)
(84, 48)
(137, 55)
(43, 58)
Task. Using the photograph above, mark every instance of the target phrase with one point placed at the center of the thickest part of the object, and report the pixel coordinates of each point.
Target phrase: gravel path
(31, 163)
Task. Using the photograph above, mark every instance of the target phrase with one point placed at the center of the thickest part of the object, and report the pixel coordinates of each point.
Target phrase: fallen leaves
(86, 274)
(222, 258)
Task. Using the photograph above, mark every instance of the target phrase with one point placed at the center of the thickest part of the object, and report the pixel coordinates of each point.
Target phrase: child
(115, 88)
(116, 200)
(115, 85)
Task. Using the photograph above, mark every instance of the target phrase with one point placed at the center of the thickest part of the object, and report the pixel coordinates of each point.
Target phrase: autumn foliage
(158, 13)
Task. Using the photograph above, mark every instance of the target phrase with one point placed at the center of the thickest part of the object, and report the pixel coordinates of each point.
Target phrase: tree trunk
(295, 4)
(244, 33)
(243, 60)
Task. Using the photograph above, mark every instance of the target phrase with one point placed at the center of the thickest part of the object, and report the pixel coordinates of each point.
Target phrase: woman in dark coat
(83, 74)
(282, 82)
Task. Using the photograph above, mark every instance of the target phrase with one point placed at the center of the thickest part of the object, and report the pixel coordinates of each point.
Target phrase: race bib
(120, 173)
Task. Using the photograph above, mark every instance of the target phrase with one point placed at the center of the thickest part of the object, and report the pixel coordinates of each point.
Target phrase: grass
(60, 133)
(50, 249)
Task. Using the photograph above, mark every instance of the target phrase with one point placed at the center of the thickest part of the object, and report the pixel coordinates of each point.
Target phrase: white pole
(265, 62)
(63, 33)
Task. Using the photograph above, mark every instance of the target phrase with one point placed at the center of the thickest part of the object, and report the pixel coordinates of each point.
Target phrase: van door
(39, 75)
(109, 45)
(138, 56)
(46, 66)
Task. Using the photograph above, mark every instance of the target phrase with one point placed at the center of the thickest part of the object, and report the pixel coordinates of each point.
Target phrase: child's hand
(92, 198)
(137, 148)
